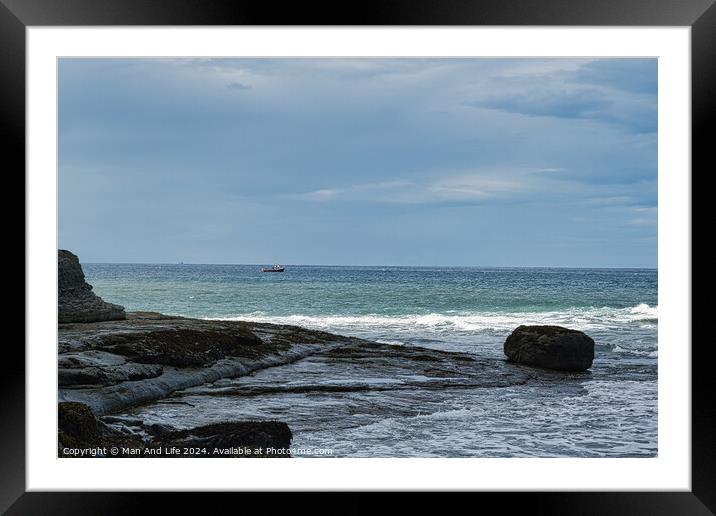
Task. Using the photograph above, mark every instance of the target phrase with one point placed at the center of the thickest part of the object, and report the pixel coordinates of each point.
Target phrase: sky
(381, 161)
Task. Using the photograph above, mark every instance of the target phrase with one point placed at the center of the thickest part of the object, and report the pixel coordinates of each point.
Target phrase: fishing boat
(275, 268)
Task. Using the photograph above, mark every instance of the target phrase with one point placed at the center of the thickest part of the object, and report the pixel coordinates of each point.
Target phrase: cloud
(643, 216)
(619, 200)
(540, 101)
(477, 187)
(618, 92)
(324, 194)
(359, 191)
(238, 86)
(470, 186)
(631, 75)
(324, 68)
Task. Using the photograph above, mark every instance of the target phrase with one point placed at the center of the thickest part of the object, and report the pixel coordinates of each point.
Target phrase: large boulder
(551, 347)
(75, 300)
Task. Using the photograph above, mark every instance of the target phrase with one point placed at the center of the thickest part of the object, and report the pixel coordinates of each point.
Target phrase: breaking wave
(620, 330)
(579, 318)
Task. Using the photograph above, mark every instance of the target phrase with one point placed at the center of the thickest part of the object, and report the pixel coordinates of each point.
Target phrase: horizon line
(376, 265)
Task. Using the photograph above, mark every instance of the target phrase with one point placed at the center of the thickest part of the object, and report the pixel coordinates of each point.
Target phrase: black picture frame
(700, 15)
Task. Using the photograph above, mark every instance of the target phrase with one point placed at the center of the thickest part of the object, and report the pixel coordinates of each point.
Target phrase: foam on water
(585, 317)
(617, 329)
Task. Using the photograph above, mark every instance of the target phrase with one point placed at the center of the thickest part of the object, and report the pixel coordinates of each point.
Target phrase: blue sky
(494, 162)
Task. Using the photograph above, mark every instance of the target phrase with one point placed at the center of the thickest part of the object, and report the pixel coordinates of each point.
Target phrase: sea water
(611, 411)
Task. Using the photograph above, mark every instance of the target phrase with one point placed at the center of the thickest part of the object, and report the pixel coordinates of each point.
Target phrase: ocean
(609, 412)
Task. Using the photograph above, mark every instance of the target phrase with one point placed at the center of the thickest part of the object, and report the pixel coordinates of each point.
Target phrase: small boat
(275, 268)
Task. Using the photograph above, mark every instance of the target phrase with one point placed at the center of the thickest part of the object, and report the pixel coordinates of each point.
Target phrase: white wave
(635, 351)
(644, 309)
(390, 342)
(579, 318)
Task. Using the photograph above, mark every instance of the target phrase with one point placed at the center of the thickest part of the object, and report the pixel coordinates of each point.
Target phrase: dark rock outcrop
(76, 423)
(75, 301)
(81, 434)
(239, 439)
(79, 429)
(550, 347)
(184, 347)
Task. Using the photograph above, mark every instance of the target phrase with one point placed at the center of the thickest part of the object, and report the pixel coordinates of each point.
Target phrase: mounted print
(358, 257)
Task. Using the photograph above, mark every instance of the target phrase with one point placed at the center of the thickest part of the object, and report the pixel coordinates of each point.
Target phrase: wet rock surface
(110, 365)
(329, 397)
(101, 368)
(374, 367)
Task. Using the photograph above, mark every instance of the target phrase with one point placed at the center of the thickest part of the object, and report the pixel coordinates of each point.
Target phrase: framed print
(445, 248)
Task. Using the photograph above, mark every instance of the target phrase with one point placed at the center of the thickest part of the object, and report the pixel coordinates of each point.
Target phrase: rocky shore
(110, 361)
(111, 365)
(108, 366)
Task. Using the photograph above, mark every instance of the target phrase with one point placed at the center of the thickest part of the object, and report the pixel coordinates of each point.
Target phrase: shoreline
(112, 366)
